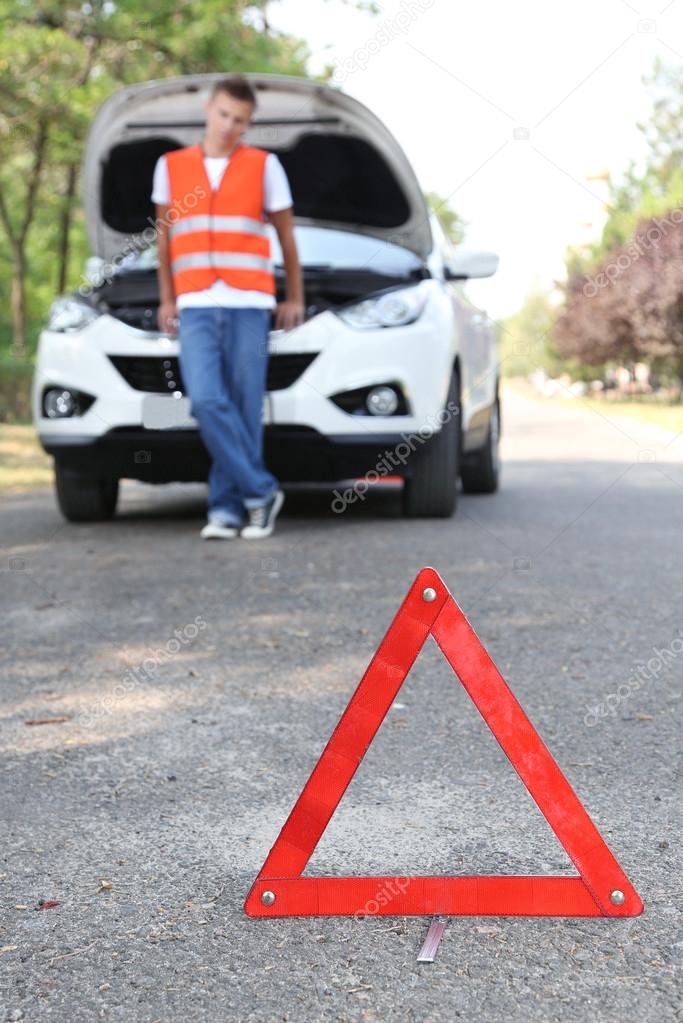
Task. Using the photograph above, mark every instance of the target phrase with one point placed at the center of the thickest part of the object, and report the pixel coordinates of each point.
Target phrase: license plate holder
(165, 412)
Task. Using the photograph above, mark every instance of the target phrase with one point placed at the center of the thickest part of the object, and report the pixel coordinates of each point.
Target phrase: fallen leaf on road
(104, 886)
(645, 717)
(8, 948)
(48, 904)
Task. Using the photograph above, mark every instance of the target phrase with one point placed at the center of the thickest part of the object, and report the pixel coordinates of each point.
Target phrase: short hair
(238, 87)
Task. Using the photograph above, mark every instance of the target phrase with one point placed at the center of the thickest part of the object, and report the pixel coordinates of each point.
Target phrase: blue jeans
(223, 361)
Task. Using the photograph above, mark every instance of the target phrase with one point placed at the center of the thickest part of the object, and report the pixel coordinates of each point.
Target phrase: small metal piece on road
(268, 898)
(617, 897)
(433, 940)
(429, 594)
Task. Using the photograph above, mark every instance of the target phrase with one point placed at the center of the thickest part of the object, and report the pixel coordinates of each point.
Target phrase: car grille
(161, 375)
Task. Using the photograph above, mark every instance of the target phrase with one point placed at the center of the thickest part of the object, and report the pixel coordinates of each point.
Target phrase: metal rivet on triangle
(268, 898)
(617, 897)
(429, 594)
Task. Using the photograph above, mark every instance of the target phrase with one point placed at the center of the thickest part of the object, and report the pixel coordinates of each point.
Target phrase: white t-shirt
(276, 196)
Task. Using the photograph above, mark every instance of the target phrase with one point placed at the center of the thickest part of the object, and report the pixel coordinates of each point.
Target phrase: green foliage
(524, 337)
(15, 390)
(453, 224)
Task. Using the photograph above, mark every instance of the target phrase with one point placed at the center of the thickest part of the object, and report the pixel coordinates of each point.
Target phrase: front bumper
(292, 453)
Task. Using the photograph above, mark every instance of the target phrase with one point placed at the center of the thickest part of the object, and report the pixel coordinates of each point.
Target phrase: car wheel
(84, 498)
(480, 473)
(431, 490)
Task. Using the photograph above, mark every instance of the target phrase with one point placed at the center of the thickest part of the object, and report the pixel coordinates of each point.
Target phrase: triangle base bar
(419, 896)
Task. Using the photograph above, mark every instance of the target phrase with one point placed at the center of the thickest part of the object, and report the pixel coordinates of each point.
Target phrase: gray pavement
(200, 683)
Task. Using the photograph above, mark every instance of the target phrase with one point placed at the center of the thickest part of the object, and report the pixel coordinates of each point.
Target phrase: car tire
(480, 472)
(84, 498)
(431, 489)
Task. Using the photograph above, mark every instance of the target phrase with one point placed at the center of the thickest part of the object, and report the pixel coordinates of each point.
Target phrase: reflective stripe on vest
(199, 259)
(218, 235)
(198, 223)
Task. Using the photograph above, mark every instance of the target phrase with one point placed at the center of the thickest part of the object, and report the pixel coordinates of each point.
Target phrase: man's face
(227, 119)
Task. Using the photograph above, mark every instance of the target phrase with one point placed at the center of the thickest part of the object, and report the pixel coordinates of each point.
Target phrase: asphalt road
(200, 683)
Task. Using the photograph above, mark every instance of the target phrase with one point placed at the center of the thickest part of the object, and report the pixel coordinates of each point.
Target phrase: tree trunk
(65, 227)
(18, 305)
(17, 238)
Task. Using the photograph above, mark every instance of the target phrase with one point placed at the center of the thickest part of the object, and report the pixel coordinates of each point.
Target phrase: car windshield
(319, 248)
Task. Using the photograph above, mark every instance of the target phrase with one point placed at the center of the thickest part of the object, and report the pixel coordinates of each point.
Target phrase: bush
(15, 390)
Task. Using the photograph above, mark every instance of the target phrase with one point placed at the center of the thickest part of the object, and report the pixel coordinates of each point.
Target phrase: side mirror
(467, 263)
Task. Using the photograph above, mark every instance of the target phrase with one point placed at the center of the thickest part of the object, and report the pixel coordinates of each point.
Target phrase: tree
(526, 337)
(632, 308)
(664, 128)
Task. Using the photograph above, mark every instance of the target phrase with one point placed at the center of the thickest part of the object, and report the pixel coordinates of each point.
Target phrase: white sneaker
(262, 519)
(214, 530)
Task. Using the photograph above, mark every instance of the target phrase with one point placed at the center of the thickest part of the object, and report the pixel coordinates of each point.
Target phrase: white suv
(392, 372)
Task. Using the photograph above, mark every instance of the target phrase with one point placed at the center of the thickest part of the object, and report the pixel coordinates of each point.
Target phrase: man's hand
(288, 315)
(167, 318)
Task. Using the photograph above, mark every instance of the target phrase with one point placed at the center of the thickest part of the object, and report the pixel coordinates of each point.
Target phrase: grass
(646, 410)
(667, 417)
(23, 463)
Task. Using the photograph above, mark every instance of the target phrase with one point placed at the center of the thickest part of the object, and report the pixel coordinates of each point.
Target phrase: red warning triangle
(601, 887)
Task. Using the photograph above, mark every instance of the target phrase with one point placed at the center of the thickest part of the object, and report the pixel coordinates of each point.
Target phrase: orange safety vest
(222, 234)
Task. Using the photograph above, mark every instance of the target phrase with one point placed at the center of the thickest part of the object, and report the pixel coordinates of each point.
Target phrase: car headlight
(69, 313)
(390, 309)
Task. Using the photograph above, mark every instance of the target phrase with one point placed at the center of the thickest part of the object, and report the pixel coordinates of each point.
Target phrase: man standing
(216, 282)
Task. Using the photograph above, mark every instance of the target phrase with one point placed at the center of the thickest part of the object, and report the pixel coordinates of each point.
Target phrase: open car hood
(345, 169)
